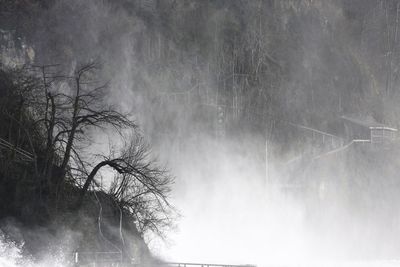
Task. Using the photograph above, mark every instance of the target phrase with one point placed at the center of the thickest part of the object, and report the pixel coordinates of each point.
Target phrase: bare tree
(88, 110)
(62, 110)
(67, 107)
(140, 187)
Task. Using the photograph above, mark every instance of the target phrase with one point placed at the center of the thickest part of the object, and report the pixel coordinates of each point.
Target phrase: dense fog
(277, 119)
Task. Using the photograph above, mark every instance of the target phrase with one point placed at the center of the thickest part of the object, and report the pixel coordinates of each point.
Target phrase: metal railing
(84, 259)
(191, 264)
(21, 152)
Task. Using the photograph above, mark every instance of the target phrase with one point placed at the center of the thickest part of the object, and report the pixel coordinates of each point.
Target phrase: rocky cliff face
(302, 61)
(14, 51)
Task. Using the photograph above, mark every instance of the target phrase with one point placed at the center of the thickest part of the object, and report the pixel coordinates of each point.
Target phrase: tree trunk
(88, 181)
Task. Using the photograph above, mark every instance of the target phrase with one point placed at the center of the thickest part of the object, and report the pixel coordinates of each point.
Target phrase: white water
(11, 256)
(230, 217)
